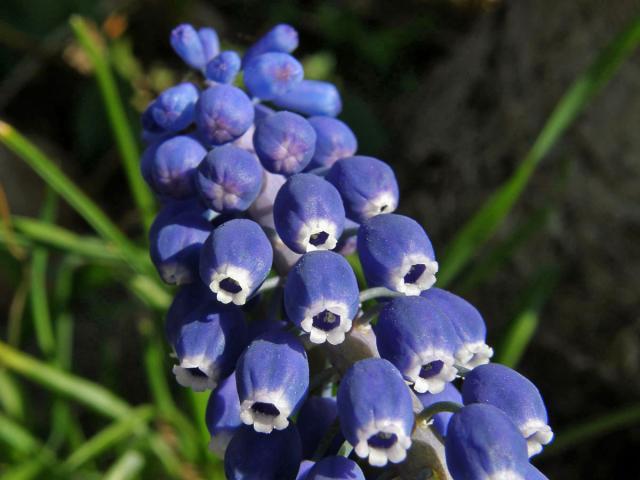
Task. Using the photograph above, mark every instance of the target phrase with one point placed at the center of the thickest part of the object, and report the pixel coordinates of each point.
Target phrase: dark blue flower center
(414, 273)
(382, 440)
(318, 239)
(196, 372)
(265, 409)
(326, 320)
(431, 369)
(230, 285)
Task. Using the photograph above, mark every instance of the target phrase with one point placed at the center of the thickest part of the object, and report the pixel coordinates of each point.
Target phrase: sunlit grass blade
(91, 395)
(113, 435)
(11, 396)
(91, 43)
(523, 326)
(65, 240)
(127, 466)
(67, 190)
(490, 216)
(591, 429)
(492, 261)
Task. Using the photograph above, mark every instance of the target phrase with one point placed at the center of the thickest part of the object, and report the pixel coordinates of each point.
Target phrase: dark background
(451, 94)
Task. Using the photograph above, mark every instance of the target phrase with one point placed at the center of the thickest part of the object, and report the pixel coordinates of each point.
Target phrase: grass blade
(122, 131)
(133, 424)
(524, 325)
(80, 202)
(83, 391)
(10, 396)
(39, 303)
(490, 216)
(126, 467)
(591, 429)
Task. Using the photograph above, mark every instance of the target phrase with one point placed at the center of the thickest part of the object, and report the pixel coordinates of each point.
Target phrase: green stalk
(80, 202)
(83, 391)
(491, 215)
(133, 424)
(122, 131)
(127, 466)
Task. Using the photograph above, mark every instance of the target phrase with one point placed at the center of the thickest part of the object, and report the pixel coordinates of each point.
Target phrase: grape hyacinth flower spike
(224, 67)
(284, 142)
(419, 341)
(375, 409)
(334, 140)
(229, 179)
(515, 395)
(235, 260)
(223, 415)
(223, 114)
(176, 237)
(208, 339)
(449, 394)
(312, 98)
(308, 214)
(483, 443)
(281, 38)
(468, 323)
(321, 296)
(368, 186)
(271, 74)
(253, 455)
(335, 468)
(174, 109)
(314, 421)
(172, 167)
(396, 253)
(272, 376)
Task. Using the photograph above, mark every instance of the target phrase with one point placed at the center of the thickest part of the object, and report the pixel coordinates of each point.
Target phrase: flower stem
(439, 407)
(377, 292)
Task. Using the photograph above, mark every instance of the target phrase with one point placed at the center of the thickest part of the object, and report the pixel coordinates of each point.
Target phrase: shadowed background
(452, 94)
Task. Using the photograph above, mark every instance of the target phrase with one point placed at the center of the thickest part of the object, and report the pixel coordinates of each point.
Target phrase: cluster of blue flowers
(263, 202)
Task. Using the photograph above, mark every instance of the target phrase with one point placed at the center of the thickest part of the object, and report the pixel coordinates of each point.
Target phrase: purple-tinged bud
(335, 468)
(449, 394)
(281, 38)
(187, 44)
(376, 413)
(223, 415)
(419, 341)
(515, 395)
(284, 142)
(314, 421)
(335, 140)
(272, 74)
(173, 166)
(224, 67)
(235, 260)
(368, 186)
(176, 237)
(183, 304)
(396, 253)
(532, 473)
(208, 341)
(483, 443)
(273, 378)
(308, 213)
(321, 296)
(223, 113)
(256, 456)
(174, 109)
(229, 179)
(311, 97)
(303, 471)
(210, 44)
(261, 210)
(469, 326)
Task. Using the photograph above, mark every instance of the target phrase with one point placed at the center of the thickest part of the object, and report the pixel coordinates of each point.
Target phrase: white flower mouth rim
(537, 433)
(198, 383)
(378, 457)
(384, 202)
(472, 355)
(241, 276)
(436, 383)
(261, 422)
(425, 281)
(317, 226)
(337, 334)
